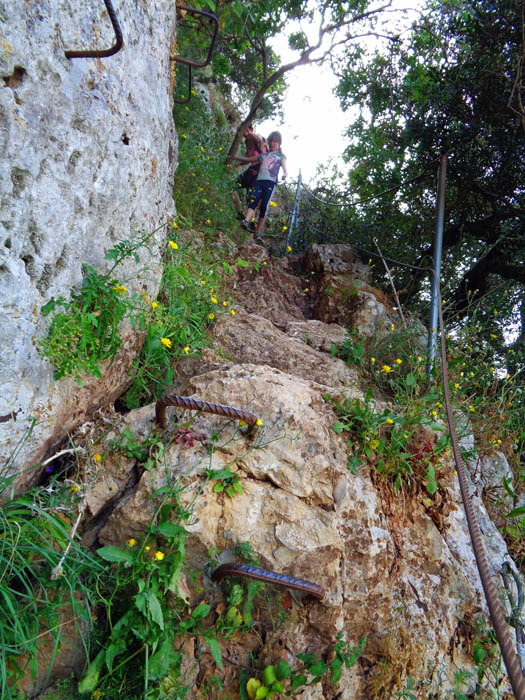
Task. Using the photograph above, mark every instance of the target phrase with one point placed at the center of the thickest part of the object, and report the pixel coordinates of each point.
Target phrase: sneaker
(253, 226)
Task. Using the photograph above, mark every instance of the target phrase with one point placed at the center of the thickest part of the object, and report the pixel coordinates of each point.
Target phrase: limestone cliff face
(88, 152)
(399, 570)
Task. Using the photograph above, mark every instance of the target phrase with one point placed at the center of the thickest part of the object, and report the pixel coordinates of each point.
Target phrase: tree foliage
(454, 86)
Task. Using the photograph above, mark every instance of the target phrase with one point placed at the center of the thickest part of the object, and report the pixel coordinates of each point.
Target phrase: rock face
(389, 571)
(340, 292)
(400, 571)
(88, 152)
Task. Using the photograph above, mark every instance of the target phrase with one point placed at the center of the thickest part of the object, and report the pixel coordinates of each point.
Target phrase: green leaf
(297, 680)
(115, 554)
(338, 427)
(269, 676)
(215, 650)
(410, 380)
(430, 477)
(318, 668)
(252, 686)
(282, 671)
(336, 669)
(242, 263)
(227, 268)
(89, 680)
(201, 611)
(170, 530)
(516, 512)
(155, 609)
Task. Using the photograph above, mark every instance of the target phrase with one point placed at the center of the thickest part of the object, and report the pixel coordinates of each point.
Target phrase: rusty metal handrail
(206, 407)
(215, 20)
(104, 53)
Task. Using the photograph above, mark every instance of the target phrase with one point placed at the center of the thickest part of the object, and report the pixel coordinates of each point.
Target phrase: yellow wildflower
(166, 342)
(492, 335)
(174, 224)
(74, 488)
(173, 245)
(389, 421)
(434, 413)
(187, 349)
(159, 556)
(202, 149)
(372, 360)
(97, 457)
(456, 386)
(213, 300)
(225, 303)
(208, 221)
(184, 136)
(203, 282)
(307, 289)
(258, 422)
(273, 204)
(242, 424)
(289, 249)
(232, 312)
(154, 304)
(419, 358)
(120, 289)
(471, 408)
(386, 369)
(132, 542)
(211, 316)
(285, 228)
(147, 548)
(392, 326)
(471, 374)
(399, 361)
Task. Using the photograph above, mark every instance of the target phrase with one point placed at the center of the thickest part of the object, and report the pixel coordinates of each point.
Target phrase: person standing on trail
(270, 164)
(254, 146)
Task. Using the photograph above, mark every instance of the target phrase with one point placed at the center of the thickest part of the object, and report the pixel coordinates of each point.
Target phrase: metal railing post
(438, 248)
(295, 210)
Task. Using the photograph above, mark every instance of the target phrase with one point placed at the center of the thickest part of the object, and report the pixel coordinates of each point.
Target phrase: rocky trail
(398, 570)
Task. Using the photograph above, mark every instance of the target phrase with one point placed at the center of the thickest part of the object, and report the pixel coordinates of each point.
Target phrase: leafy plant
(39, 586)
(281, 679)
(85, 332)
(227, 481)
(144, 609)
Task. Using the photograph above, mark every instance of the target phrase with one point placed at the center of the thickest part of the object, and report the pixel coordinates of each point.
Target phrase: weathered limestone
(389, 571)
(88, 152)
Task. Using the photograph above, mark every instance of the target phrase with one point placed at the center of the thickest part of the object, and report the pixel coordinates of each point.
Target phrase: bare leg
(260, 225)
(250, 213)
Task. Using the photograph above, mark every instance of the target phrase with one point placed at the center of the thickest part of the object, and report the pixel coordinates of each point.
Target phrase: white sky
(314, 123)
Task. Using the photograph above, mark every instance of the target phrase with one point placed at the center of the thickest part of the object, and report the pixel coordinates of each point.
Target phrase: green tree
(248, 69)
(454, 86)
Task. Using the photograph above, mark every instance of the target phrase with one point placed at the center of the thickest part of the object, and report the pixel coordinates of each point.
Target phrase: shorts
(262, 192)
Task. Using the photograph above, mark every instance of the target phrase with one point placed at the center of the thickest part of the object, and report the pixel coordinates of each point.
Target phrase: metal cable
(510, 657)
(374, 196)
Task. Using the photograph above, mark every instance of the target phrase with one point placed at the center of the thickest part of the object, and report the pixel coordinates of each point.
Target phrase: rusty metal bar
(196, 405)
(272, 577)
(105, 52)
(214, 19)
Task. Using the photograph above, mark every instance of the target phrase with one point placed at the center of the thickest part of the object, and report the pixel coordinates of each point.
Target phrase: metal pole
(295, 210)
(438, 247)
